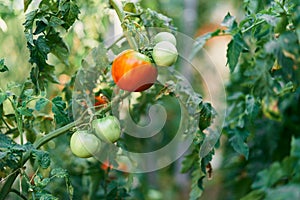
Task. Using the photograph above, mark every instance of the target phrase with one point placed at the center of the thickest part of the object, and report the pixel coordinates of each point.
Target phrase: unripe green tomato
(165, 36)
(84, 144)
(281, 25)
(107, 129)
(164, 54)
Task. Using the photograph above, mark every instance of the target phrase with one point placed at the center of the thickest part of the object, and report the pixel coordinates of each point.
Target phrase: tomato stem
(18, 119)
(117, 6)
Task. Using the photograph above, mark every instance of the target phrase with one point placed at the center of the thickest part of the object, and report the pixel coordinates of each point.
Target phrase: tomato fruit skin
(164, 54)
(107, 129)
(84, 144)
(133, 71)
(165, 36)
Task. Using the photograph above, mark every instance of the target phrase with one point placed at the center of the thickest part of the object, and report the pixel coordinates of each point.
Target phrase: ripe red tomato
(133, 71)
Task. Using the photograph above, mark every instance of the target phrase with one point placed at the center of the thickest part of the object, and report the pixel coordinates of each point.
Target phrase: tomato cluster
(134, 72)
(131, 71)
(84, 143)
(164, 52)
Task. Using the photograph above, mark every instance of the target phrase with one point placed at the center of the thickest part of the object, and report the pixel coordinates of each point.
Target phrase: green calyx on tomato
(107, 129)
(164, 36)
(84, 144)
(164, 54)
(133, 71)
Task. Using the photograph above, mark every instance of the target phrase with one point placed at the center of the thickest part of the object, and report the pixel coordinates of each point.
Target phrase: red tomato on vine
(133, 71)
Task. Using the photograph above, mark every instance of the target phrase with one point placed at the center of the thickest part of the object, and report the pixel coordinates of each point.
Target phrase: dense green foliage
(263, 102)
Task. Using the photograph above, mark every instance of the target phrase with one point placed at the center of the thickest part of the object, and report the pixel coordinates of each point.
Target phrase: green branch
(55, 134)
(117, 6)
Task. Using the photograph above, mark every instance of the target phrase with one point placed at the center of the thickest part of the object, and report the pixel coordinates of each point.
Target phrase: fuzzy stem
(117, 6)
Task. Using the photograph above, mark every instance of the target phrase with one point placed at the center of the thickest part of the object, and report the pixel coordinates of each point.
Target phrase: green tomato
(164, 54)
(84, 144)
(107, 129)
(165, 36)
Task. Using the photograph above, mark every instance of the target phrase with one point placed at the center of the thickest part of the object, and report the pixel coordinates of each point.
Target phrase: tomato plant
(108, 128)
(84, 144)
(133, 71)
(42, 123)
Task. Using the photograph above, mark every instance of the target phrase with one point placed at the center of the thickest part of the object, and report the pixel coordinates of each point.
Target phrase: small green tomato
(165, 36)
(107, 129)
(164, 54)
(84, 144)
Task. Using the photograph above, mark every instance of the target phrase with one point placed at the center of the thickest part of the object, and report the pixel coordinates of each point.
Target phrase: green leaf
(58, 47)
(3, 154)
(210, 141)
(26, 4)
(207, 113)
(41, 183)
(268, 177)
(55, 21)
(237, 141)
(59, 173)
(42, 157)
(29, 19)
(286, 89)
(41, 103)
(25, 111)
(189, 161)
(3, 67)
(254, 195)
(234, 50)
(59, 110)
(197, 178)
(130, 7)
(48, 74)
(250, 104)
(3, 97)
(63, 173)
(295, 147)
(46, 196)
(284, 192)
(28, 93)
(6, 142)
(151, 18)
(39, 51)
(229, 22)
(40, 27)
(69, 11)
